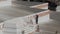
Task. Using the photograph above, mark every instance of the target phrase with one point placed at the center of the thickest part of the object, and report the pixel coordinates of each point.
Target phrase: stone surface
(47, 26)
(9, 11)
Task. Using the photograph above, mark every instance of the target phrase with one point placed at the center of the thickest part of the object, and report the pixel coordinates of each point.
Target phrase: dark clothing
(37, 19)
(52, 6)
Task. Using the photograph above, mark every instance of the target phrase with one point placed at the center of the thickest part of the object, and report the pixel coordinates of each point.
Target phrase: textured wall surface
(55, 16)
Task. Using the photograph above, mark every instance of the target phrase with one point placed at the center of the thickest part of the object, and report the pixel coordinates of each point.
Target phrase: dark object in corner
(52, 6)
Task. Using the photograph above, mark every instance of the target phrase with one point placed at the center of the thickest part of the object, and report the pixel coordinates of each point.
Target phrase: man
(52, 5)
